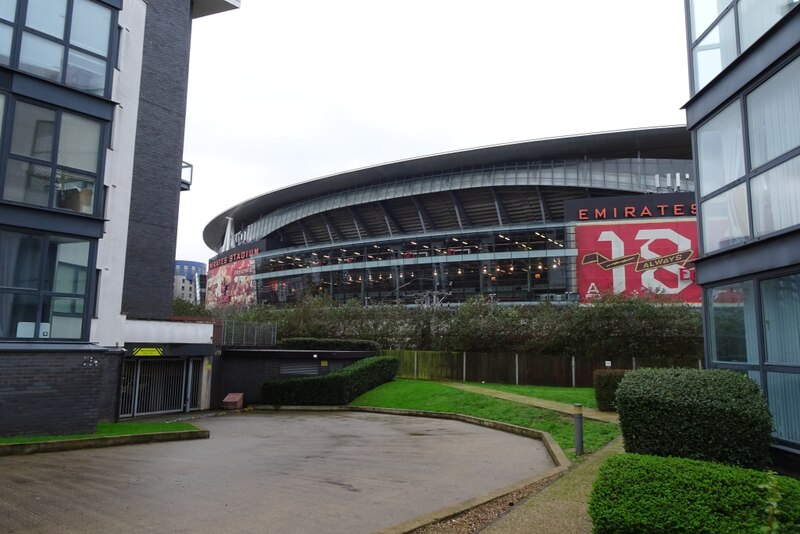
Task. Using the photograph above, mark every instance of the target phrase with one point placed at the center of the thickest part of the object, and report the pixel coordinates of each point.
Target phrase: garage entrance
(160, 386)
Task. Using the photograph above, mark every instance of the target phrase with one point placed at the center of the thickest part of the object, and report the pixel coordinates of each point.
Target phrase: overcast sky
(283, 92)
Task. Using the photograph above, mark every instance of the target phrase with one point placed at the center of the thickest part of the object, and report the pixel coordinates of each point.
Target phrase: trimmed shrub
(605, 382)
(636, 493)
(313, 343)
(335, 389)
(716, 415)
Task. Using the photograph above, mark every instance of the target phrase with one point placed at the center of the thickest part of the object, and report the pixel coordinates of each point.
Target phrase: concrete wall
(58, 389)
(155, 197)
(159, 332)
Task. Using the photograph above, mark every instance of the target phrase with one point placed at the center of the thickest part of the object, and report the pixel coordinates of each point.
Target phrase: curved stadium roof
(482, 186)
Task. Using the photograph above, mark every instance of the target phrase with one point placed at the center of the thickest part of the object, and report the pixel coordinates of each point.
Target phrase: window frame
(42, 293)
(20, 29)
(750, 172)
(56, 170)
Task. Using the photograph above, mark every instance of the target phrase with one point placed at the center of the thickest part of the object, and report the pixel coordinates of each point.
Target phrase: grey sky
(282, 92)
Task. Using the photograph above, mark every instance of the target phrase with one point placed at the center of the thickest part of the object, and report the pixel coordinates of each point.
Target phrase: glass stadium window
(773, 113)
(776, 198)
(732, 323)
(714, 52)
(65, 42)
(720, 150)
(724, 219)
(54, 159)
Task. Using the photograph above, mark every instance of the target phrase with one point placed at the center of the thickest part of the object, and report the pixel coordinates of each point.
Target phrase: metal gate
(160, 386)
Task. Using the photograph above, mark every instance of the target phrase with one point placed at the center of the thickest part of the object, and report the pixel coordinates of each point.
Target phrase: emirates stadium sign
(650, 253)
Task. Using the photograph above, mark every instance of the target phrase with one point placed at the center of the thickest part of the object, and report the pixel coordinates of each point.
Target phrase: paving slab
(562, 507)
(269, 472)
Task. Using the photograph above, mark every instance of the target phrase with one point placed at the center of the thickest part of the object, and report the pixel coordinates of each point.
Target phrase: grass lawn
(434, 397)
(584, 396)
(108, 429)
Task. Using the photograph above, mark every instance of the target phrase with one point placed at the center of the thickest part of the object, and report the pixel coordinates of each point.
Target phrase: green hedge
(716, 415)
(334, 389)
(637, 493)
(314, 343)
(605, 382)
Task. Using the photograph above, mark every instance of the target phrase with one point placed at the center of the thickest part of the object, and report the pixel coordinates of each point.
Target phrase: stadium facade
(555, 219)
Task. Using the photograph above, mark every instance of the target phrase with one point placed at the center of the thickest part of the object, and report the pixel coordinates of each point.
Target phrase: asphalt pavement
(269, 472)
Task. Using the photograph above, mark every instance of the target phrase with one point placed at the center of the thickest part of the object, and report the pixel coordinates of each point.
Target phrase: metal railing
(245, 334)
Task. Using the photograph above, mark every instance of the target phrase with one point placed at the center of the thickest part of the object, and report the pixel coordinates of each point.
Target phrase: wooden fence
(511, 368)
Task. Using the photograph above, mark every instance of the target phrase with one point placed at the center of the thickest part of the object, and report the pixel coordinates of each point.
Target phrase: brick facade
(48, 391)
(152, 232)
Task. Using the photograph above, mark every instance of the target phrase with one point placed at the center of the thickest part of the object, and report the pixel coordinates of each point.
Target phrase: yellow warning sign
(148, 351)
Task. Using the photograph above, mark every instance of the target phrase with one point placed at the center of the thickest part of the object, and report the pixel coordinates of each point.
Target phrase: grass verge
(108, 429)
(434, 397)
(566, 395)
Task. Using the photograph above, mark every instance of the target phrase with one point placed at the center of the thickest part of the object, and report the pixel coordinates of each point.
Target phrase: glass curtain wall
(519, 265)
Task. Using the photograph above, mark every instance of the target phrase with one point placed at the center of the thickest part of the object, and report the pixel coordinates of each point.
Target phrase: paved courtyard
(275, 472)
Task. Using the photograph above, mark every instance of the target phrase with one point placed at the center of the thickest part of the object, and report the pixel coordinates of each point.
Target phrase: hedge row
(605, 382)
(636, 493)
(716, 415)
(334, 389)
(313, 343)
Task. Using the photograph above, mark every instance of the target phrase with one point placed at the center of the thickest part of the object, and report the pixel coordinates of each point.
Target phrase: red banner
(636, 257)
(231, 285)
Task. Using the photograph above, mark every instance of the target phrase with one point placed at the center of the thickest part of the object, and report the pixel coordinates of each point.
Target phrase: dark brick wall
(56, 392)
(237, 372)
(152, 234)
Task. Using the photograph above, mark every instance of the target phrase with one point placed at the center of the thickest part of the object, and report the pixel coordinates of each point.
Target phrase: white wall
(161, 332)
(109, 327)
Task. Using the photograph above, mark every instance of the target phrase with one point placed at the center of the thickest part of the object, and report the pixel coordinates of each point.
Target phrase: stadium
(546, 220)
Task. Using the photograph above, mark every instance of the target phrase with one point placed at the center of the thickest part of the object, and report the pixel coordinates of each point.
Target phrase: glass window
(720, 150)
(703, 13)
(43, 286)
(714, 52)
(784, 397)
(20, 260)
(33, 131)
(79, 142)
(75, 192)
(68, 261)
(47, 16)
(732, 323)
(757, 16)
(86, 72)
(17, 315)
(8, 10)
(90, 27)
(27, 182)
(724, 219)
(41, 57)
(776, 198)
(780, 299)
(773, 113)
(6, 36)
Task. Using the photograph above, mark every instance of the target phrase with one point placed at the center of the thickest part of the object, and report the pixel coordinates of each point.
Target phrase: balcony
(186, 176)
(201, 8)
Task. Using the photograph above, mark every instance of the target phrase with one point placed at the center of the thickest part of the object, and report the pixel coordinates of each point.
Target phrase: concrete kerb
(11, 449)
(562, 463)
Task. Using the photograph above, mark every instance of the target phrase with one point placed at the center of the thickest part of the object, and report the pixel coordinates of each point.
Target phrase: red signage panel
(638, 256)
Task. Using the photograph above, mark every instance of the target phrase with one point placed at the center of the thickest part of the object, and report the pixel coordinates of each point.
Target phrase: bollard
(578, 429)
